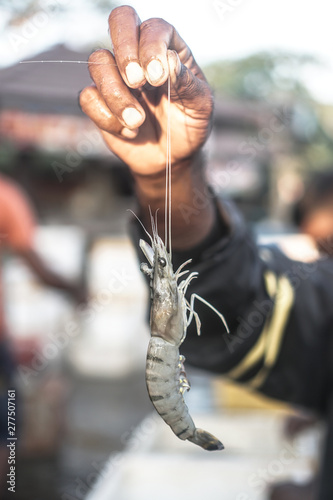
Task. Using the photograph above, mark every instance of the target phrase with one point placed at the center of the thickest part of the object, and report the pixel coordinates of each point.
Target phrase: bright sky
(214, 29)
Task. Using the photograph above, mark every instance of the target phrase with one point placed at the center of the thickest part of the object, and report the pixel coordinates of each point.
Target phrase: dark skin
(48, 277)
(128, 102)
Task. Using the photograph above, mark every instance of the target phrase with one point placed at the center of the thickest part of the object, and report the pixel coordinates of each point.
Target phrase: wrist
(192, 204)
(150, 188)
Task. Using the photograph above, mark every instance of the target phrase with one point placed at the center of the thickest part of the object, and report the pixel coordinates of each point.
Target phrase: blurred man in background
(17, 229)
(313, 215)
(314, 212)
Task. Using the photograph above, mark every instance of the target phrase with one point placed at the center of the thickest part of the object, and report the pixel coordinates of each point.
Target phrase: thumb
(193, 92)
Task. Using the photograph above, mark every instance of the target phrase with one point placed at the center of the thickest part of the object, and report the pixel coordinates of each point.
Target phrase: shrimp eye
(162, 261)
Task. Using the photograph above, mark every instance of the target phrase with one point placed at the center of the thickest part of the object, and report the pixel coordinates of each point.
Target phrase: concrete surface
(158, 465)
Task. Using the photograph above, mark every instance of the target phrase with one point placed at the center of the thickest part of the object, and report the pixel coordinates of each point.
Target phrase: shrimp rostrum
(171, 314)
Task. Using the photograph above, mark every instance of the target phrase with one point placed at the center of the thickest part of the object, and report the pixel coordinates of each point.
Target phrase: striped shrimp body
(171, 314)
(166, 383)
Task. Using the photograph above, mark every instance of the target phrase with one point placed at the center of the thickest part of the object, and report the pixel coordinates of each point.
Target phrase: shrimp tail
(206, 440)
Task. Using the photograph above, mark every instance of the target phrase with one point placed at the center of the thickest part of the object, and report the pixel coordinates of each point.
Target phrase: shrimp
(171, 313)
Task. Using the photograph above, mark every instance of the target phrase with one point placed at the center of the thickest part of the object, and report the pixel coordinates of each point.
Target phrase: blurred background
(85, 416)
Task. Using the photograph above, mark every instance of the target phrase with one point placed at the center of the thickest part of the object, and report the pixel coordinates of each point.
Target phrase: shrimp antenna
(65, 61)
(156, 225)
(143, 227)
(167, 221)
(153, 222)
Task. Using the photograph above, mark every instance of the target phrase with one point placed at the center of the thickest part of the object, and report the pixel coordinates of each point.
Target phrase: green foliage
(24, 9)
(104, 5)
(260, 76)
(21, 10)
(276, 77)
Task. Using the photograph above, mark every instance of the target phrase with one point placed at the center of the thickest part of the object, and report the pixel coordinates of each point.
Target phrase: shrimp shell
(166, 383)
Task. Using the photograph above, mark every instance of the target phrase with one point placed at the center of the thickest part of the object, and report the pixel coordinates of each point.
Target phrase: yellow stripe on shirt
(283, 302)
(268, 344)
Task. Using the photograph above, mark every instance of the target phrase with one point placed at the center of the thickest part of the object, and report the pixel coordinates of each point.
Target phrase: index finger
(124, 25)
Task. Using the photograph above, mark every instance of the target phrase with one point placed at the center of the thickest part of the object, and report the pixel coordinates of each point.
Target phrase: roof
(45, 87)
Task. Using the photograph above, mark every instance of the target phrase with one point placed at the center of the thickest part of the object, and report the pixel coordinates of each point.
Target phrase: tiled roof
(45, 87)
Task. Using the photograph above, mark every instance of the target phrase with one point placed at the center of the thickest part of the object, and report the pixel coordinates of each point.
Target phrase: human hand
(129, 99)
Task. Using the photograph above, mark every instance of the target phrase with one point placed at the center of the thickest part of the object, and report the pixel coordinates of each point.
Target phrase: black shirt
(279, 312)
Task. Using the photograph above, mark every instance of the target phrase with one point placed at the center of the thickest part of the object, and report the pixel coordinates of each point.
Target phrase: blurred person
(17, 229)
(279, 311)
(313, 215)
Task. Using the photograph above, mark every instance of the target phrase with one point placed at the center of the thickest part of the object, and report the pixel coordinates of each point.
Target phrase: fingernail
(174, 63)
(178, 65)
(129, 134)
(155, 70)
(134, 73)
(132, 117)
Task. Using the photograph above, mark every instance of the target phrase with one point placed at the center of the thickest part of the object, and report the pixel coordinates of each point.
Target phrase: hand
(129, 99)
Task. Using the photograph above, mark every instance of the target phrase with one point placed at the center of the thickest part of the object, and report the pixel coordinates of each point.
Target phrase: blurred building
(39, 101)
(51, 147)
(253, 150)
(80, 192)
(252, 157)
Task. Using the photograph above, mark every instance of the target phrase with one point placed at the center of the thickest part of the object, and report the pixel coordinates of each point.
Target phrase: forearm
(50, 278)
(192, 207)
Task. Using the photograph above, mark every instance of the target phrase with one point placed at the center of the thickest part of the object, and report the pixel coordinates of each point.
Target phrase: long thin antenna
(168, 176)
(143, 227)
(66, 61)
(166, 185)
(169, 160)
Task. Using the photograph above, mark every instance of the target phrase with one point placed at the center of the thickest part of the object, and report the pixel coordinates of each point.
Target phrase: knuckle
(155, 24)
(87, 95)
(209, 101)
(111, 92)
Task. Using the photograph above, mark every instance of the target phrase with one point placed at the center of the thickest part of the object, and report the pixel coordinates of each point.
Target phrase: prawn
(171, 314)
